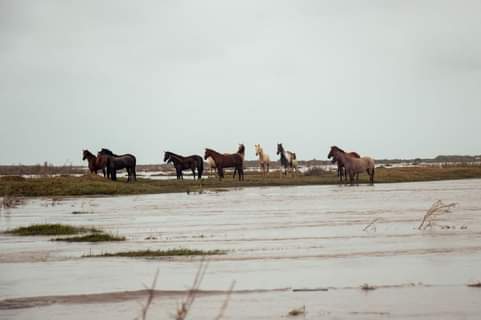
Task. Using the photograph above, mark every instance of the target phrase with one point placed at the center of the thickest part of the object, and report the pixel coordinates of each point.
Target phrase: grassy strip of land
(96, 185)
(161, 253)
(96, 237)
(51, 230)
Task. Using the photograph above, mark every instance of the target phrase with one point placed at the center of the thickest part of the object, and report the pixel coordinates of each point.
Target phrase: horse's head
(86, 154)
(166, 156)
(206, 154)
(258, 148)
(334, 151)
(242, 149)
(280, 149)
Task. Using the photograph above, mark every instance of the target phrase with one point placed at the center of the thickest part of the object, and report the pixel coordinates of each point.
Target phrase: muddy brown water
(287, 247)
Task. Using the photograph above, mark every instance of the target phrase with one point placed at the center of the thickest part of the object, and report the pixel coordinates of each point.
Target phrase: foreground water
(280, 242)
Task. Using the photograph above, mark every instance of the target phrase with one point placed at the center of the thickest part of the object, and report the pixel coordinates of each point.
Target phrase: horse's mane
(355, 154)
(174, 155)
(107, 152)
(213, 151)
(338, 149)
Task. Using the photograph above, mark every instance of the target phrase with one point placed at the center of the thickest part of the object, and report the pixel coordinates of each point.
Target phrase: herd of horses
(349, 164)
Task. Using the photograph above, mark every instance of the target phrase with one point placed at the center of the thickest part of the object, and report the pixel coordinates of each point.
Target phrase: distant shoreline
(90, 185)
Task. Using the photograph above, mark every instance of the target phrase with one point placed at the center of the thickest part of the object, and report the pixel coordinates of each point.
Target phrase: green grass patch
(95, 237)
(162, 253)
(51, 230)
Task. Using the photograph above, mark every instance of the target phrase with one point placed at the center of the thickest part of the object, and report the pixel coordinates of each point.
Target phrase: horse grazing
(181, 163)
(288, 159)
(353, 165)
(264, 159)
(96, 163)
(222, 161)
(119, 162)
(341, 171)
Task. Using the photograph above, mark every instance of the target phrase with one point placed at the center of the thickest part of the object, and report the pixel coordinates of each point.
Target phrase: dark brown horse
(181, 163)
(96, 163)
(118, 162)
(341, 171)
(222, 161)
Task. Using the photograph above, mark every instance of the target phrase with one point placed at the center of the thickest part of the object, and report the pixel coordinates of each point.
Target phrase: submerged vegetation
(89, 234)
(95, 237)
(96, 185)
(51, 230)
(161, 253)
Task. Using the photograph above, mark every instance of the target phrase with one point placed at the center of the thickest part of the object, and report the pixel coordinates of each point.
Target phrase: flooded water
(287, 247)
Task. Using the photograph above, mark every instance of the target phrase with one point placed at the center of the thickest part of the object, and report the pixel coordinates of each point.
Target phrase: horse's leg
(193, 172)
(371, 175)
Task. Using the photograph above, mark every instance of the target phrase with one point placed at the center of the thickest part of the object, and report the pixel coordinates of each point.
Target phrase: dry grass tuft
(297, 312)
(438, 208)
(368, 287)
(474, 284)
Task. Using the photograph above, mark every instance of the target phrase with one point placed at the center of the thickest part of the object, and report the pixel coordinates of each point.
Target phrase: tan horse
(353, 165)
(264, 159)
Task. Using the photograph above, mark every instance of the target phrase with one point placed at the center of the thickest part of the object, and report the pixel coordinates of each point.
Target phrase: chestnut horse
(96, 163)
(222, 161)
(352, 165)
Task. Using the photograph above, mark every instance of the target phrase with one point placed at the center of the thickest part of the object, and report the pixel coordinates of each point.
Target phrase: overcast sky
(388, 79)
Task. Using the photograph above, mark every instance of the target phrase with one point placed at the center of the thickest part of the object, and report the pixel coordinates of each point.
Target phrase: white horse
(264, 159)
(212, 166)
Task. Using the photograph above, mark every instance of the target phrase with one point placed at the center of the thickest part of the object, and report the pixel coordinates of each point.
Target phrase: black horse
(118, 162)
(181, 163)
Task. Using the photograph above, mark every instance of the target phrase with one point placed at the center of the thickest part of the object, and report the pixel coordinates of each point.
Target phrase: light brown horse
(96, 163)
(353, 165)
(222, 161)
(341, 171)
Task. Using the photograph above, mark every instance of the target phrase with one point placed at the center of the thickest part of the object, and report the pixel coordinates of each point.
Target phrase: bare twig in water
(223, 308)
(436, 209)
(297, 312)
(150, 297)
(372, 225)
(184, 308)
